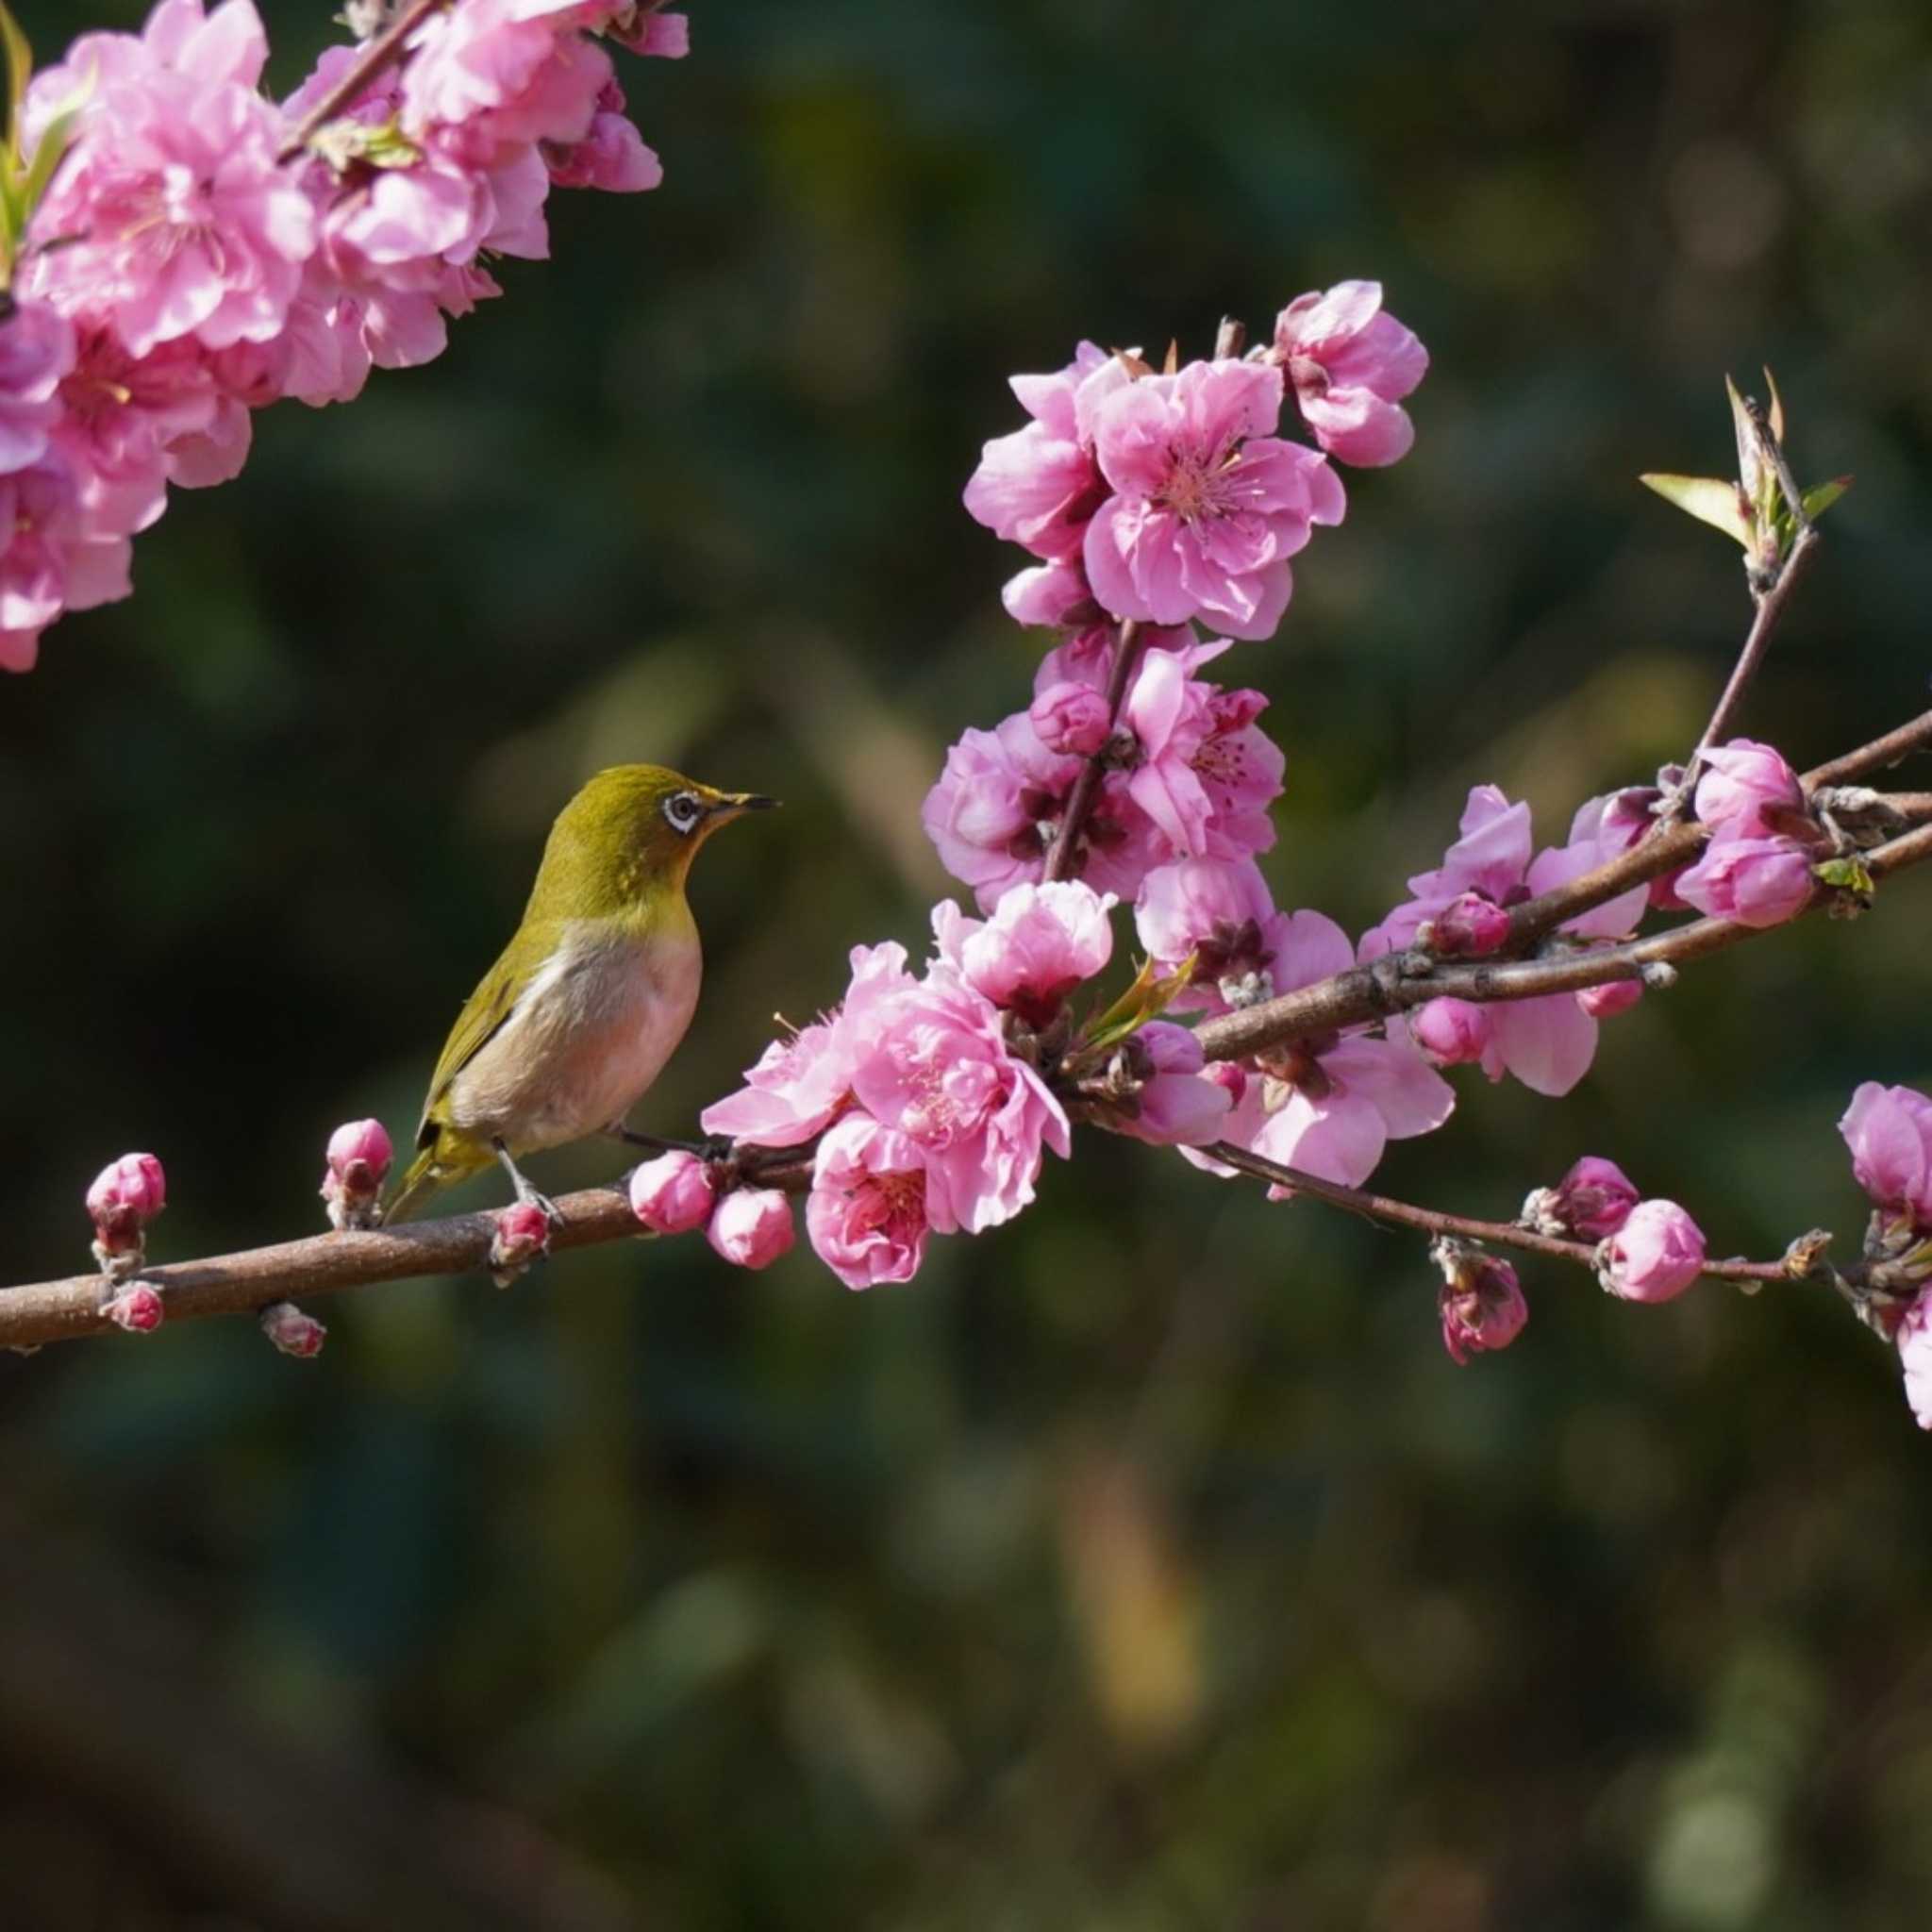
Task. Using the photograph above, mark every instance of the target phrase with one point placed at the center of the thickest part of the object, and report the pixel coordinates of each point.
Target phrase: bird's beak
(733, 803)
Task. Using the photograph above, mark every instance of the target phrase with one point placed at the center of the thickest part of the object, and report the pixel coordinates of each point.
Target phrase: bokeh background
(1145, 1565)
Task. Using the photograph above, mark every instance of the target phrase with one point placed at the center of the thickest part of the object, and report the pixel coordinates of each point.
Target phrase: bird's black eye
(683, 809)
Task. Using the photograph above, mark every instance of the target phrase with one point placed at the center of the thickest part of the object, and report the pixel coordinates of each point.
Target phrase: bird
(567, 1031)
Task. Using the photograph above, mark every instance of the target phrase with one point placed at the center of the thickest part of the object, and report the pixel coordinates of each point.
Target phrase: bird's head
(630, 835)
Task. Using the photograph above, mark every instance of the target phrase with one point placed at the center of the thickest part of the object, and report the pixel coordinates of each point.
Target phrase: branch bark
(1065, 855)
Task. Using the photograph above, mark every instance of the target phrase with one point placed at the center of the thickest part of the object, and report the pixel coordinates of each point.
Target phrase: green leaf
(1147, 999)
(1820, 496)
(1848, 874)
(1776, 411)
(20, 67)
(1707, 499)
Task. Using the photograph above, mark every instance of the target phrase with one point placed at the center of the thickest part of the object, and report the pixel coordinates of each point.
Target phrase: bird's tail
(436, 1167)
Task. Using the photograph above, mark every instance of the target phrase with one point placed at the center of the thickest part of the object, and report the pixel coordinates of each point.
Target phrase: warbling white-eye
(575, 1020)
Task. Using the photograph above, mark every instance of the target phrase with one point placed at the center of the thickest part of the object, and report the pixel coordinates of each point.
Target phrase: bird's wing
(484, 1015)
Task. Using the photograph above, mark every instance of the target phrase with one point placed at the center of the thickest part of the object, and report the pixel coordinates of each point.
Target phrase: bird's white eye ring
(683, 809)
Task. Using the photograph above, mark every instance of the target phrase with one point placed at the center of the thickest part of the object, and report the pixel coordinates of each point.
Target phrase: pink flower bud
(1480, 1301)
(1606, 1002)
(126, 1195)
(523, 1234)
(1591, 1202)
(1740, 780)
(1071, 718)
(674, 1194)
(1758, 882)
(1453, 1033)
(1915, 1356)
(1054, 594)
(292, 1331)
(751, 1226)
(137, 1308)
(1656, 1255)
(1178, 1106)
(358, 1159)
(1889, 1130)
(1469, 928)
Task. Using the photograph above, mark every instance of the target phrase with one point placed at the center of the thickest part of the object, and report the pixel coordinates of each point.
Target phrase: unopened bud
(1451, 1032)
(126, 1195)
(137, 1308)
(358, 1159)
(1469, 928)
(1590, 1203)
(522, 1237)
(1072, 718)
(751, 1226)
(292, 1332)
(1656, 1254)
(1480, 1301)
(674, 1194)
(1606, 1002)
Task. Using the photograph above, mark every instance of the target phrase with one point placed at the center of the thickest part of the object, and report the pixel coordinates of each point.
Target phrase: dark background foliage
(1144, 1565)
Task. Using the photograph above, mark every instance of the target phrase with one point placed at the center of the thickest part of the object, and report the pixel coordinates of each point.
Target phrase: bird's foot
(528, 1195)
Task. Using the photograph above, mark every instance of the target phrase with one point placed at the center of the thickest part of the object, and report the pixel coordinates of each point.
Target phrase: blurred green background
(1145, 1565)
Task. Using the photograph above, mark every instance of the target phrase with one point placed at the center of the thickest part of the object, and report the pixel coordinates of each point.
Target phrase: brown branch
(1501, 1234)
(1065, 853)
(1770, 608)
(1891, 749)
(1389, 986)
(376, 59)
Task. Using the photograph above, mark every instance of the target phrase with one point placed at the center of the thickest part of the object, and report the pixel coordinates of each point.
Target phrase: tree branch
(375, 60)
(1499, 1234)
(1065, 854)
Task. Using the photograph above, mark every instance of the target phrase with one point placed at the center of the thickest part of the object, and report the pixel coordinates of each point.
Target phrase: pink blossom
(1331, 1105)
(1072, 719)
(481, 57)
(1041, 942)
(674, 1194)
(1915, 1356)
(866, 1214)
(803, 1084)
(1547, 1043)
(292, 1332)
(36, 349)
(1209, 505)
(1178, 1103)
(1746, 788)
(1756, 882)
(644, 29)
(1451, 1032)
(1591, 1202)
(1656, 1255)
(1603, 829)
(1606, 1001)
(1038, 486)
(1205, 774)
(138, 1309)
(1480, 1302)
(1351, 363)
(174, 216)
(937, 1069)
(751, 1227)
(1889, 1130)
(1222, 917)
(613, 155)
(993, 814)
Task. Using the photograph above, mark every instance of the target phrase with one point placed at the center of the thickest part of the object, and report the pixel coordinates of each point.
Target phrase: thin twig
(1770, 608)
(1064, 855)
(1501, 1234)
(375, 60)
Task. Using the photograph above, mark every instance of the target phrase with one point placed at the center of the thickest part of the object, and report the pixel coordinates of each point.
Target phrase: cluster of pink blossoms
(185, 266)
(923, 1097)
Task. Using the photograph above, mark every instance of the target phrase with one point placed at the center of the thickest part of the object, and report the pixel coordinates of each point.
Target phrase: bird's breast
(585, 1041)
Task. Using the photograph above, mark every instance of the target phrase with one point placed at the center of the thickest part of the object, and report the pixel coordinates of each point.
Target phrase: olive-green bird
(589, 999)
